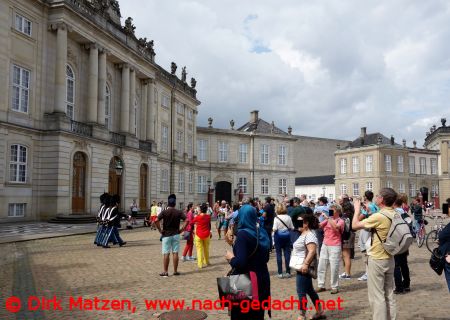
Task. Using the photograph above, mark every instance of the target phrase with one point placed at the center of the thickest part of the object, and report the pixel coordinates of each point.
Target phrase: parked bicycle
(432, 236)
(421, 233)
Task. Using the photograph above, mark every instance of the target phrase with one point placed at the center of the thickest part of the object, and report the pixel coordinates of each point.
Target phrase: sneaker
(280, 275)
(363, 277)
(344, 276)
(164, 274)
(176, 273)
(191, 258)
(321, 290)
(334, 291)
(184, 259)
(286, 275)
(408, 289)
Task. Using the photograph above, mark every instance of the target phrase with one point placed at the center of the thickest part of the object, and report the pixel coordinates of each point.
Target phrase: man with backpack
(380, 282)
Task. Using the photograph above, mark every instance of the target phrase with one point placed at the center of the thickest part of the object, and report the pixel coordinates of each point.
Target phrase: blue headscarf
(247, 220)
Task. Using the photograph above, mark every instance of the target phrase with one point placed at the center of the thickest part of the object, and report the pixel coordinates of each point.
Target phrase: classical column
(150, 121)
(145, 111)
(132, 102)
(92, 84)
(101, 87)
(125, 100)
(60, 68)
(444, 157)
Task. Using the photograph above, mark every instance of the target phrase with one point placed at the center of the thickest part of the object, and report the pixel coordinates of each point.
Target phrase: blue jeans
(305, 287)
(116, 235)
(283, 245)
(447, 274)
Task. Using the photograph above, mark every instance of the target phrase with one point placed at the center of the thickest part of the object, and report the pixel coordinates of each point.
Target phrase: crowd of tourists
(308, 239)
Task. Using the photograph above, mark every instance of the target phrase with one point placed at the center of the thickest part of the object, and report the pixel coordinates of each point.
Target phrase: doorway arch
(79, 183)
(223, 191)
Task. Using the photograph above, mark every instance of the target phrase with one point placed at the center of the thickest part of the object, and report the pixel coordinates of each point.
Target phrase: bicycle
(421, 233)
(432, 236)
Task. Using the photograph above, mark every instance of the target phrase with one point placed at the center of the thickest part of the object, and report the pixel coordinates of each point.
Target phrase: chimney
(254, 116)
(392, 140)
(363, 132)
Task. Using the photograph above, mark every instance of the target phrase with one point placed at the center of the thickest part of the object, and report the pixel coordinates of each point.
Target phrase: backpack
(399, 236)
(347, 229)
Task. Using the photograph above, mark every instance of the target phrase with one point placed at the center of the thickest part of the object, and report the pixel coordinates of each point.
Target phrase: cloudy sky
(326, 68)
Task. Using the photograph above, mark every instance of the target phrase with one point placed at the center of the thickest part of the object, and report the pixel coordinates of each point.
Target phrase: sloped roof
(261, 126)
(370, 139)
(310, 181)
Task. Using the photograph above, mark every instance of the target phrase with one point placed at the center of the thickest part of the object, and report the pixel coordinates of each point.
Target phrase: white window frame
(433, 165)
(243, 183)
(165, 100)
(164, 138)
(434, 190)
(282, 186)
(17, 210)
(343, 188)
(412, 190)
(191, 182)
(180, 144)
(164, 180)
(181, 181)
(400, 164)
(243, 152)
(70, 97)
(108, 119)
(180, 108)
(20, 24)
(223, 151)
(190, 114)
(265, 186)
(201, 184)
(401, 187)
(388, 163)
(343, 165)
(264, 154)
(190, 149)
(136, 109)
(18, 163)
(369, 186)
(369, 163)
(389, 184)
(355, 164)
(423, 165)
(412, 165)
(355, 189)
(282, 152)
(202, 147)
(20, 84)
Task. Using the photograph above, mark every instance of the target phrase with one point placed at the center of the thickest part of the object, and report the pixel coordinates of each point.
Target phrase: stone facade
(373, 161)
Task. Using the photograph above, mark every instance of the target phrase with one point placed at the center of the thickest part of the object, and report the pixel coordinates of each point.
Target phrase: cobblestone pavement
(73, 267)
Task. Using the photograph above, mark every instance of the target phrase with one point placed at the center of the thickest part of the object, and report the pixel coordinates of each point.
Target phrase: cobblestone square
(72, 266)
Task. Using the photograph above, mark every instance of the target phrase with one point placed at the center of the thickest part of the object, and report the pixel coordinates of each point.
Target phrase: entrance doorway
(223, 191)
(78, 183)
(115, 177)
(143, 187)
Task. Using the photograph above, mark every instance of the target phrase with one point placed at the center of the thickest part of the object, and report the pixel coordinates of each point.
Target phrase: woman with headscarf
(251, 253)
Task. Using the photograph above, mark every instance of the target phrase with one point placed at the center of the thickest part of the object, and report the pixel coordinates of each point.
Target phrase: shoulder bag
(285, 233)
(296, 263)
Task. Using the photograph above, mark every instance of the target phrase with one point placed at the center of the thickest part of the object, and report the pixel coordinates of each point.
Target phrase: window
(388, 162)
(135, 129)
(17, 209)
(180, 108)
(433, 166)
(331, 197)
(343, 166)
(434, 190)
(23, 25)
(223, 151)
(243, 184)
(282, 186)
(201, 152)
(400, 168)
(369, 163)
(180, 148)
(164, 138)
(313, 197)
(356, 189)
(243, 151)
(412, 190)
(20, 89)
(423, 165)
(165, 101)
(355, 164)
(70, 92)
(191, 182)
(201, 186)
(18, 163)
(343, 189)
(401, 187)
(369, 186)
(189, 146)
(181, 181)
(190, 114)
(388, 184)
(412, 165)
(282, 155)
(164, 180)
(264, 186)
(264, 154)
(107, 107)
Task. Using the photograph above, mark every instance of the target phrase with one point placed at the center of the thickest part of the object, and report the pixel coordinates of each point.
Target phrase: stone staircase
(74, 219)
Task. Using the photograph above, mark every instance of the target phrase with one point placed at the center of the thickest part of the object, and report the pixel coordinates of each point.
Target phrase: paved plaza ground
(72, 266)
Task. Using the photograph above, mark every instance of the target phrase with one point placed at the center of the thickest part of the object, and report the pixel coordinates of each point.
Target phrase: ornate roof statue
(115, 6)
(183, 74)
(193, 83)
(129, 27)
(173, 68)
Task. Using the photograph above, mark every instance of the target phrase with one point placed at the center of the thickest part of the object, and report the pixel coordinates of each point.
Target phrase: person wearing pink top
(332, 226)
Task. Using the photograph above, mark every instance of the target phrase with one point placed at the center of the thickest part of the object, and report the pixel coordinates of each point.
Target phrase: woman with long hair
(188, 248)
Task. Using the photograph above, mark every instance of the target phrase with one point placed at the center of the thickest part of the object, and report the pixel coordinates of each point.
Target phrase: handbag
(296, 263)
(238, 287)
(285, 233)
(437, 262)
(186, 235)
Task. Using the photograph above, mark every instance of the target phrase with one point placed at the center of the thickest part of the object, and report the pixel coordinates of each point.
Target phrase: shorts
(171, 244)
(221, 223)
(350, 243)
(153, 218)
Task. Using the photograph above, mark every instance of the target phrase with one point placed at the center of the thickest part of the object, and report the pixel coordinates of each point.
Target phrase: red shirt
(203, 222)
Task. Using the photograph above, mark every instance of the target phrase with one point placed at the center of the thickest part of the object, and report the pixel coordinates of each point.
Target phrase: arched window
(107, 107)
(70, 92)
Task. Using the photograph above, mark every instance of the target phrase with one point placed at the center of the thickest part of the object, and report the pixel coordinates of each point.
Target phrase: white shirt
(278, 225)
(300, 245)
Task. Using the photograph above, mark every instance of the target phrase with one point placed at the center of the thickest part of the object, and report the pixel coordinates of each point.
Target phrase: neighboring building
(315, 187)
(257, 159)
(373, 161)
(439, 139)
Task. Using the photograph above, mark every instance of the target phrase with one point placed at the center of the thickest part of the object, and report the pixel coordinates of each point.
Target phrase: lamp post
(118, 167)
(323, 191)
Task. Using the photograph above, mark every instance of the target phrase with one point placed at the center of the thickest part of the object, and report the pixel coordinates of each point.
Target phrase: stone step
(74, 219)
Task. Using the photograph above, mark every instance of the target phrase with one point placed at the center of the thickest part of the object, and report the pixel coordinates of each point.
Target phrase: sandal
(164, 274)
(176, 273)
